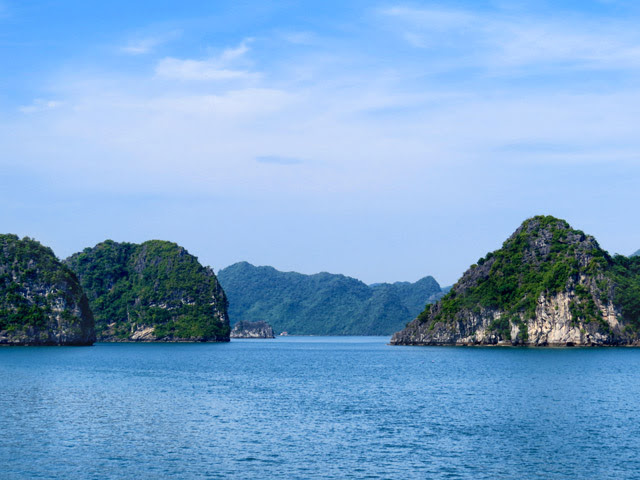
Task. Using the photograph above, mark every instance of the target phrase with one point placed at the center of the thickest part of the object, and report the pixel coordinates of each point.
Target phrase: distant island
(324, 303)
(252, 330)
(154, 291)
(548, 285)
(41, 300)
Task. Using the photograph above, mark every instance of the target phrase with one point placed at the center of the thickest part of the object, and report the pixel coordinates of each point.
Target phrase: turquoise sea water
(318, 407)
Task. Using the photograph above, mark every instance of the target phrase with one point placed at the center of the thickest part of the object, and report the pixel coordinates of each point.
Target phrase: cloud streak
(504, 40)
(278, 160)
(219, 68)
(40, 105)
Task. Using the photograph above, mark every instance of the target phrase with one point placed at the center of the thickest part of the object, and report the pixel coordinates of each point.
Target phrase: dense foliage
(39, 295)
(626, 275)
(544, 257)
(322, 304)
(156, 284)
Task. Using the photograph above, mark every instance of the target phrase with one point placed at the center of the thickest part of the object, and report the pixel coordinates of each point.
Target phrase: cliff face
(41, 300)
(324, 303)
(252, 330)
(548, 285)
(155, 291)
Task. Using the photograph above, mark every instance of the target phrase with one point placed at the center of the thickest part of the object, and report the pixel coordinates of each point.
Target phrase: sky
(381, 140)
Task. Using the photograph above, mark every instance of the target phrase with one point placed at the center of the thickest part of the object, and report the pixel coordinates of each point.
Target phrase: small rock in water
(252, 330)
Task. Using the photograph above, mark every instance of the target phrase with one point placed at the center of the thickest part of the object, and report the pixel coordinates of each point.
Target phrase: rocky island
(154, 291)
(259, 329)
(548, 285)
(41, 300)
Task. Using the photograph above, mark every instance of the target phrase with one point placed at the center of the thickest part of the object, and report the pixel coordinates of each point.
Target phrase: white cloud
(278, 160)
(431, 18)
(211, 69)
(496, 40)
(140, 47)
(40, 105)
(234, 53)
(299, 38)
(198, 70)
(147, 44)
(361, 131)
(234, 104)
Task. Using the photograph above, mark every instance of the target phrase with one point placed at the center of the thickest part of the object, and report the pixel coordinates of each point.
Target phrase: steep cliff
(155, 291)
(324, 303)
(548, 285)
(252, 330)
(41, 300)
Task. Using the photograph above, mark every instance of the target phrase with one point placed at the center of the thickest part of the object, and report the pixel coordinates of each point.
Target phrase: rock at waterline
(245, 329)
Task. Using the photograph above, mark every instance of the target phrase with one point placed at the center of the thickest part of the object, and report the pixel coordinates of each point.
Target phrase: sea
(318, 408)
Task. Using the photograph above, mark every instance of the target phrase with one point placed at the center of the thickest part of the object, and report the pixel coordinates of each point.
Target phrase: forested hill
(324, 303)
(154, 291)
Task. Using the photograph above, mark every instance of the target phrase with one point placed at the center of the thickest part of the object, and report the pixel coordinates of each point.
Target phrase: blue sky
(385, 141)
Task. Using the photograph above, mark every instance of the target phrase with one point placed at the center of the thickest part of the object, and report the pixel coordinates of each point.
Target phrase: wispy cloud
(299, 38)
(40, 105)
(438, 19)
(278, 160)
(147, 44)
(216, 120)
(141, 46)
(216, 68)
(198, 70)
(233, 53)
(500, 39)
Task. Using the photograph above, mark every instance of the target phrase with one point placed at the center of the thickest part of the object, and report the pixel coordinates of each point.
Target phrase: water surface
(318, 407)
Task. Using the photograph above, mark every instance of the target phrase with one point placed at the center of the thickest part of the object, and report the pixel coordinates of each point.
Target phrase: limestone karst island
(548, 285)
(118, 292)
(155, 291)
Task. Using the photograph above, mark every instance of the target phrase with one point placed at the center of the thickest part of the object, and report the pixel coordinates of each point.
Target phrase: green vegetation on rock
(155, 291)
(545, 274)
(41, 300)
(324, 303)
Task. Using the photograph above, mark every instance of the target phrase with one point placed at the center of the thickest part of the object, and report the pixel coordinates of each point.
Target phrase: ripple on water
(318, 408)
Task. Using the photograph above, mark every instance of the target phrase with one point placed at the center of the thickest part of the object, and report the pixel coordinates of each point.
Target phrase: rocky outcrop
(41, 300)
(152, 292)
(549, 285)
(252, 330)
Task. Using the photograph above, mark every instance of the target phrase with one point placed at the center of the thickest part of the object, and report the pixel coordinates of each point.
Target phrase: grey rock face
(549, 285)
(41, 300)
(252, 330)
